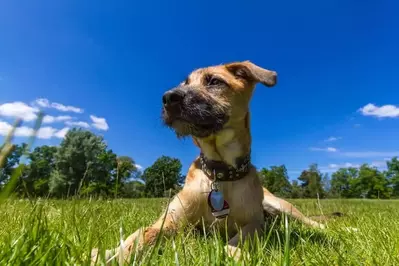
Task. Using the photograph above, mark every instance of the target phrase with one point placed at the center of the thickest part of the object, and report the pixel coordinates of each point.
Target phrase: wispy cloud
(331, 139)
(61, 133)
(378, 164)
(77, 124)
(45, 103)
(48, 119)
(388, 110)
(29, 113)
(327, 149)
(370, 154)
(344, 165)
(139, 167)
(18, 110)
(99, 122)
(24, 131)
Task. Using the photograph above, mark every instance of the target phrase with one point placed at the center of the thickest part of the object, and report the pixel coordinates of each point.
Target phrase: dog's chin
(184, 128)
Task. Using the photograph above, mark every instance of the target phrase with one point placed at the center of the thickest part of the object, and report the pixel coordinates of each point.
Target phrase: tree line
(83, 165)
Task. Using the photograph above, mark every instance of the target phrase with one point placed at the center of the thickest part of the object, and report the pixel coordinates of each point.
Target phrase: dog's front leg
(179, 212)
(273, 204)
(246, 232)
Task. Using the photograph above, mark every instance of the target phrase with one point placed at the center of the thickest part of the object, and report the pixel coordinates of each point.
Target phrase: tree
(393, 175)
(82, 163)
(11, 162)
(342, 182)
(311, 182)
(42, 163)
(125, 169)
(133, 189)
(296, 190)
(371, 183)
(276, 180)
(326, 184)
(163, 175)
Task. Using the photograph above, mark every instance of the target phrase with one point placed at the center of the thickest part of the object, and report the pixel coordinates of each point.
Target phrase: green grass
(63, 232)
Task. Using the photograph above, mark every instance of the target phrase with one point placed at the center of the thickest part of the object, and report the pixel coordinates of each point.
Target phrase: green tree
(83, 164)
(125, 169)
(11, 162)
(311, 182)
(41, 164)
(163, 175)
(276, 180)
(296, 190)
(133, 189)
(371, 183)
(392, 175)
(326, 184)
(343, 181)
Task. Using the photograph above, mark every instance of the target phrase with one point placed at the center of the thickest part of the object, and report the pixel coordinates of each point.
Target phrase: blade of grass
(20, 168)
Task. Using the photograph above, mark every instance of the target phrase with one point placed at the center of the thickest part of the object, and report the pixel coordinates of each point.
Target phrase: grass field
(50, 232)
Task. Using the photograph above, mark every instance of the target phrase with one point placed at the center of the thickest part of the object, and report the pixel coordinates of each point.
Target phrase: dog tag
(219, 207)
(216, 200)
(223, 212)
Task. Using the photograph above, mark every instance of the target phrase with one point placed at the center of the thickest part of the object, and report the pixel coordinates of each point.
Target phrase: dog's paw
(322, 226)
(317, 225)
(236, 253)
(95, 259)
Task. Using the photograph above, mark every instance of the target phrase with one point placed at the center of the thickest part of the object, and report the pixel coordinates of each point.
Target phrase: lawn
(51, 232)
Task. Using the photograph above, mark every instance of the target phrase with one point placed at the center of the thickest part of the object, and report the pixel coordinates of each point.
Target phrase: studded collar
(220, 171)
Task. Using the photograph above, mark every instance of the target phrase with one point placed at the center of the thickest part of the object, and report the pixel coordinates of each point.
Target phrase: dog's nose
(173, 97)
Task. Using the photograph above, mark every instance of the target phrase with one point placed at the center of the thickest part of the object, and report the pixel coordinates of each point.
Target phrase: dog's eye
(213, 81)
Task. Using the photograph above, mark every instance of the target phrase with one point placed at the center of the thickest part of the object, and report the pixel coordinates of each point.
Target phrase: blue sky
(105, 66)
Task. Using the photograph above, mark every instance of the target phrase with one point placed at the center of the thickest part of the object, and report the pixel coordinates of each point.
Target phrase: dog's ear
(251, 72)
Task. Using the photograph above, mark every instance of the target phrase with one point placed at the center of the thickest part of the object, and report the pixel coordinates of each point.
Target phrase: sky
(104, 65)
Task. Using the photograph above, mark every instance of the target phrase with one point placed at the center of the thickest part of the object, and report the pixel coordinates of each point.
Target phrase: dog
(222, 188)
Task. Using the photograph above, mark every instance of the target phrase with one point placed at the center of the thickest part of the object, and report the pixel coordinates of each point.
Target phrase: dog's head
(211, 98)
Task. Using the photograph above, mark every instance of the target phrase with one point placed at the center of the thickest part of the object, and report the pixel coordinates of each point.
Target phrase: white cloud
(45, 132)
(24, 131)
(77, 124)
(368, 154)
(45, 103)
(18, 110)
(382, 111)
(139, 167)
(345, 165)
(331, 139)
(61, 133)
(48, 119)
(328, 149)
(99, 122)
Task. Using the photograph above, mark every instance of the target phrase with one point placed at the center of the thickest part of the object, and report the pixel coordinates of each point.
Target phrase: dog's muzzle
(173, 97)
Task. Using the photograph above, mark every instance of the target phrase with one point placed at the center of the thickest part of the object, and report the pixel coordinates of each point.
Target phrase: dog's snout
(173, 97)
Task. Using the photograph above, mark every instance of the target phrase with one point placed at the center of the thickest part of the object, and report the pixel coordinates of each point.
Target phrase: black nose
(173, 97)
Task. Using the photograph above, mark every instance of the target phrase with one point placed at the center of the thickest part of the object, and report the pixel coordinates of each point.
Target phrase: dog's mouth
(195, 117)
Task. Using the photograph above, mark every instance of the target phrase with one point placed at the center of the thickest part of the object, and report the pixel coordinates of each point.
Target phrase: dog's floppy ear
(249, 71)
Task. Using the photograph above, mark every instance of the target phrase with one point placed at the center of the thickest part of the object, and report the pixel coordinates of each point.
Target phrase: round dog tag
(216, 200)
(223, 212)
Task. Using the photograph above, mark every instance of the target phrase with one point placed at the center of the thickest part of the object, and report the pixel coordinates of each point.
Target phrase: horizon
(104, 67)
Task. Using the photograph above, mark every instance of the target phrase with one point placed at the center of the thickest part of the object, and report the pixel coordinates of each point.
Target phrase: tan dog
(212, 106)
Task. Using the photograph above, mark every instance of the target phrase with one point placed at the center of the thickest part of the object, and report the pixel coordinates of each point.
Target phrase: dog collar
(220, 171)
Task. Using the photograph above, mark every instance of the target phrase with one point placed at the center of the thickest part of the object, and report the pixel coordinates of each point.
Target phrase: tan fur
(246, 197)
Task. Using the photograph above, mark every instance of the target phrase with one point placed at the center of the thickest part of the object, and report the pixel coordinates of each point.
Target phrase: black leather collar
(220, 171)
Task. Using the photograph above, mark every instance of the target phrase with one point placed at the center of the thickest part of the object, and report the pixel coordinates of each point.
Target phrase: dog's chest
(244, 198)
